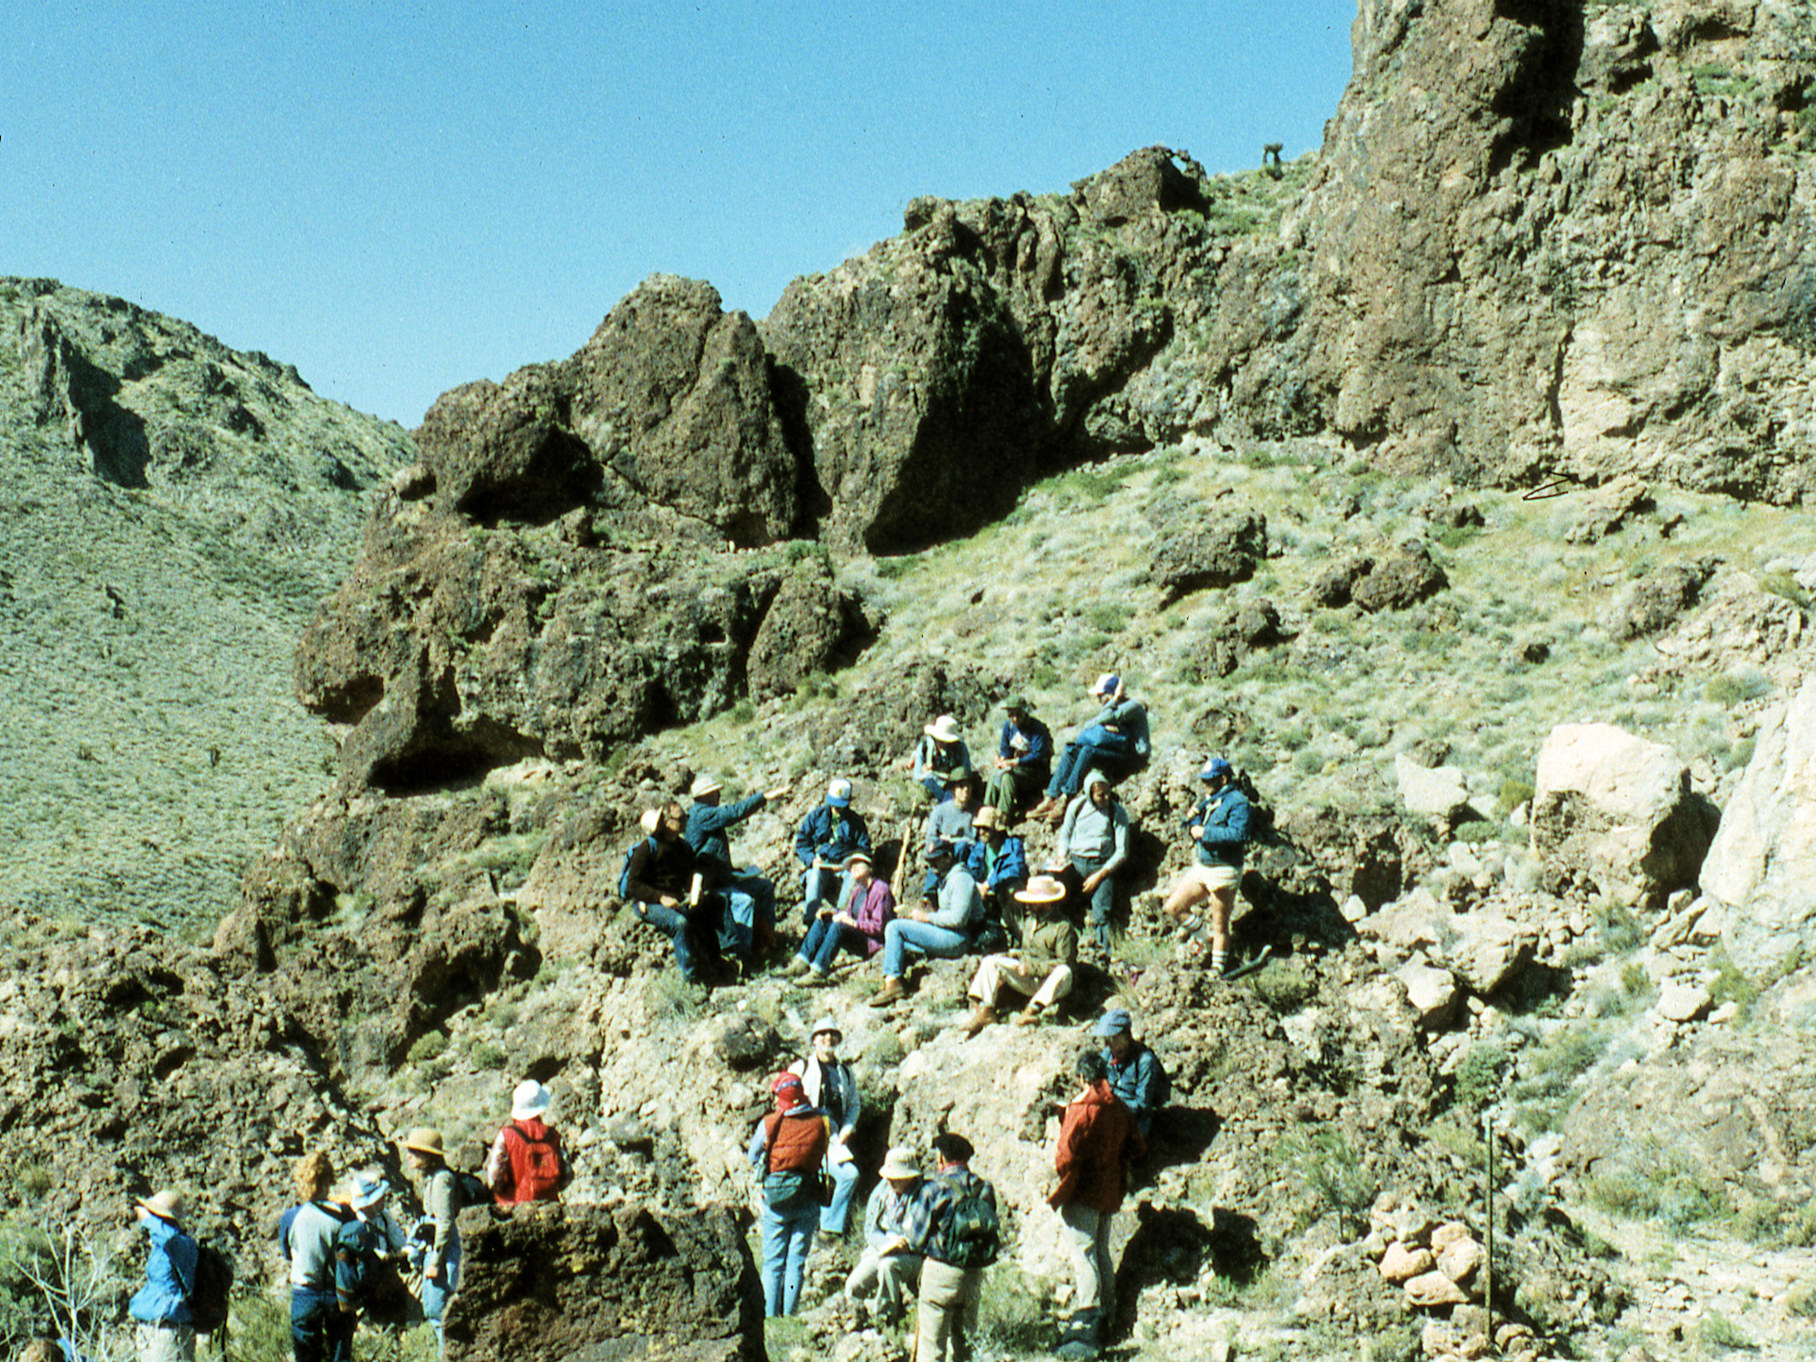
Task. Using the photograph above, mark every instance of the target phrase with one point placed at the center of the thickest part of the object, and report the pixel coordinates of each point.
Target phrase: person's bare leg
(1187, 893)
(1223, 903)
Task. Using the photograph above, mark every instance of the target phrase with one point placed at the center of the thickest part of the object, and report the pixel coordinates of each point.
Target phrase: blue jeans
(319, 1332)
(1103, 898)
(750, 911)
(437, 1293)
(786, 1231)
(1111, 753)
(817, 887)
(833, 1218)
(905, 934)
(694, 933)
(826, 938)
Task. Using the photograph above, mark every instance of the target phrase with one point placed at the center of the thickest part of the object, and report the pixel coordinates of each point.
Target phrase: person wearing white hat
(888, 1266)
(940, 758)
(833, 1088)
(526, 1162)
(824, 842)
(1116, 742)
(366, 1255)
(1041, 971)
(160, 1308)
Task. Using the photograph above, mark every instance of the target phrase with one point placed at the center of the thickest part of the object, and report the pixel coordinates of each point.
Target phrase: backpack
(971, 1236)
(470, 1190)
(207, 1297)
(547, 1171)
(375, 1288)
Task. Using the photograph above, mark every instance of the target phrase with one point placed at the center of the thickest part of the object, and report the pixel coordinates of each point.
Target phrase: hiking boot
(816, 977)
(796, 965)
(1030, 1015)
(977, 1021)
(891, 991)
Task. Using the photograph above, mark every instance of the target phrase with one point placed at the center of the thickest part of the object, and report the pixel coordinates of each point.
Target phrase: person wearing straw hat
(831, 1086)
(526, 1162)
(998, 861)
(1041, 971)
(441, 1209)
(865, 911)
(940, 757)
(750, 897)
(888, 1266)
(824, 842)
(160, 1308)
(1024, 759)
(786, 1151)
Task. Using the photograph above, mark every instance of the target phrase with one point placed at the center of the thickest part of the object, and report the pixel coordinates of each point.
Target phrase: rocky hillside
(1447, 482)
(177, 511)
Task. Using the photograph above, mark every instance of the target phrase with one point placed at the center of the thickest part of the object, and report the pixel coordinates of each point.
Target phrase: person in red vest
(526, 1162)
(786, 1151)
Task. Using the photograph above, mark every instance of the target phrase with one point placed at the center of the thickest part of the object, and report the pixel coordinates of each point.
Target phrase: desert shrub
(1542, 1092)
(1480, 1077)
(1282, 986)
(428, 1047)
(1785, 585)
(1617, 927)
(1721, 1334)
(60, 1284)
(891, 568)
(1329, 1169)
(1012, 1316)
(1667, 1185)
(487, 1055)
(1513, 793)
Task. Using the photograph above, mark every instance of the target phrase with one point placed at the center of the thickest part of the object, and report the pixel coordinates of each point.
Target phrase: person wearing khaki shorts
(1219, 828)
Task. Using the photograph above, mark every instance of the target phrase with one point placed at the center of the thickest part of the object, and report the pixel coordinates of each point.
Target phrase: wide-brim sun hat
(987, 818)
(425, 1140)
(1015, 704)
(900, 1162)
(530, 1099)
(650, 821)
(703, 786)
(943, 729)
(1041, 889)
(165, 1205)
(857, 856)
(822, 1026)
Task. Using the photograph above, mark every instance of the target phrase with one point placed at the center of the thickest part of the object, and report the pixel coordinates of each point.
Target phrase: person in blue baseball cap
(1135, 1075)
(1219, 828)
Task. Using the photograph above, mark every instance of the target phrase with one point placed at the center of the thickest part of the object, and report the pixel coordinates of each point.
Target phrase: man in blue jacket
(750, 899)
(1116, 742)
(1024, 759)
(1219, 829)
(824, 842)
(161, 1307)
(999, 864)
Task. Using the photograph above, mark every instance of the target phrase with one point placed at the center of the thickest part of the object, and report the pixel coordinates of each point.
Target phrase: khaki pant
(892, 1276)
(158, 1343)
(997, 970)
(1087, 1239)
(948, 1312)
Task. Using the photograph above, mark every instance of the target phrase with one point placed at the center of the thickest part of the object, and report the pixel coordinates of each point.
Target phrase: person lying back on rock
(750, 898)
(998, 862)
(1115, 742)
(1024, 759)
(1219, 829)
(824, 842)
(944, 932)
(831, 1086)
(940, 757)
(856, 925)
(661, 878)
(1093, 846)
(888, 1266)
(1136, 1076)
(1041, 971)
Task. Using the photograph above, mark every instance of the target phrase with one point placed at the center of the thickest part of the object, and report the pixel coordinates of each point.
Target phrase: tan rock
(1461, 1260)
(1430, 1290)
(1402, 1262)
(1447, 1234)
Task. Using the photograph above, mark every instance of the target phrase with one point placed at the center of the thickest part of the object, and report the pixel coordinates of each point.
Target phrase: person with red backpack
(786, 1151)
(526, 1162)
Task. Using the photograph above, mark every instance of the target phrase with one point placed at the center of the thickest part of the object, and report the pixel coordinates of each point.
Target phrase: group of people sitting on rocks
(980, 895)
(347, 1255)
(927, 1237)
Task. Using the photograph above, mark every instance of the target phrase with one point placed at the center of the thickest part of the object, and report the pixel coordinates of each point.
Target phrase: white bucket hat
(530, 1099)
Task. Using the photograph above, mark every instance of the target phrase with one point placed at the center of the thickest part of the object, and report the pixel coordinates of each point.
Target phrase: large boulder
(1619, 809)
(582, 1283)
(1759, 863)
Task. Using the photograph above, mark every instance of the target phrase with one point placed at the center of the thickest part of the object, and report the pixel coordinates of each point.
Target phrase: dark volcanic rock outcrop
(577, 1283)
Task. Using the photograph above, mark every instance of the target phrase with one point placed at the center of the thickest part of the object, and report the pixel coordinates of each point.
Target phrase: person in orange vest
(786, 1151)
(526, 1162)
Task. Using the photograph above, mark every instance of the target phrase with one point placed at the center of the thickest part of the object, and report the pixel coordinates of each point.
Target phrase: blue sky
(401, 197)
